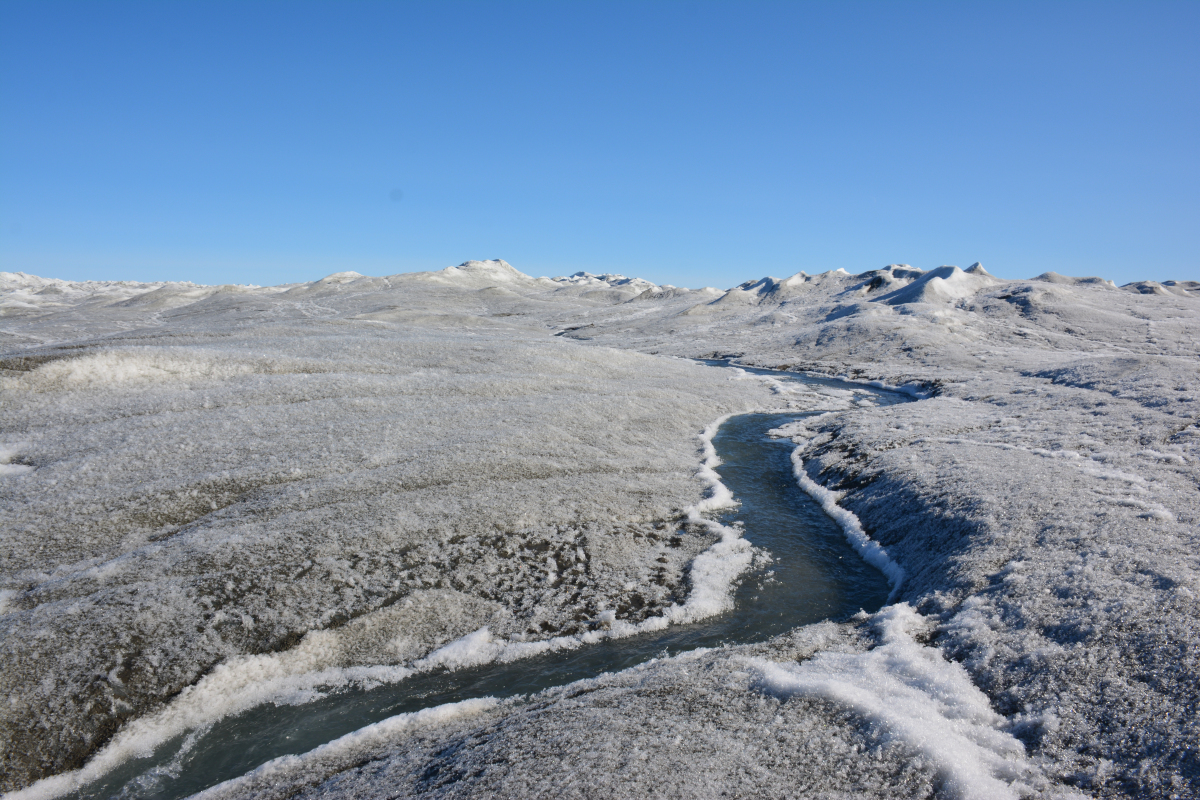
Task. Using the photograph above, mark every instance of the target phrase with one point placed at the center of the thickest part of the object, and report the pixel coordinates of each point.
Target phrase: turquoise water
(814, 576)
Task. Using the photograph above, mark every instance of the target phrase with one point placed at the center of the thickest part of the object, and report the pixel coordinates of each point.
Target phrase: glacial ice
(215, 496)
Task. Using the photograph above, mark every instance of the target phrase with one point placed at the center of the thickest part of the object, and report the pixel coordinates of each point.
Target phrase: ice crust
(915, 698)
(294, 488)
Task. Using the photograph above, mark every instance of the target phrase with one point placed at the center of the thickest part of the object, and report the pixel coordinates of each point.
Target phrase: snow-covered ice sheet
(260, 493)
(1043, 505)
(371, 469)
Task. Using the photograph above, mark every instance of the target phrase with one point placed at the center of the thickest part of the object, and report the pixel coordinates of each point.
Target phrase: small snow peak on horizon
(485, 264)
(493, 269)
(612, 279)
(341, 277)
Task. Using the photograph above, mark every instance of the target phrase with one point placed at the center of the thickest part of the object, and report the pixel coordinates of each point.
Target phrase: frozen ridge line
(609, 279)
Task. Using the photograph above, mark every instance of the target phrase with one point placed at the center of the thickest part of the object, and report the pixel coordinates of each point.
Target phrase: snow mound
(609, 279)
(770, 291)
(340, 277)
(1067, 280)
(943, 285)
(888, 279)
(172, 295)
(1183, 288)
(749, 293)
(667, 292)
(492, 270)
(1146, 287)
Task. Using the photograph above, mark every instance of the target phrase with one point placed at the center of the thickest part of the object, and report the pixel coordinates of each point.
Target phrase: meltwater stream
(813, 575)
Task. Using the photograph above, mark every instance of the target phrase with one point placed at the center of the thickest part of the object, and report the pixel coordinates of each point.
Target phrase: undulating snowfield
(215, 497)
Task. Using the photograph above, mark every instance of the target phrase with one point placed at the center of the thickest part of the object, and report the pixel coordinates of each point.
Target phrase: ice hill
(257, 491)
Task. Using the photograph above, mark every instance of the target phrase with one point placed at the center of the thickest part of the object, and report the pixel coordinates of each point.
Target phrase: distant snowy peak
(768, 291)
(1181, 288)
(946, 284)
(901, 285)
(1066, 280)
(340, 277)
(24, 295)
(20, 280)
(611, 280)
(894, 284)
(496, 269)
(12, 281)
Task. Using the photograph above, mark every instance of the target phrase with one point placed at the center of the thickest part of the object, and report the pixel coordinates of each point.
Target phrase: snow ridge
(715, 570)
(913, 697)
(609, 279)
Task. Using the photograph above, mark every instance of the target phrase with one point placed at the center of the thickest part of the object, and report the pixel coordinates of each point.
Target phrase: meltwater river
(814, 575)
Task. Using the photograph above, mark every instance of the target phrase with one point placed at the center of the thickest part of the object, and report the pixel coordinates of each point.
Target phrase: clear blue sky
(688, 143)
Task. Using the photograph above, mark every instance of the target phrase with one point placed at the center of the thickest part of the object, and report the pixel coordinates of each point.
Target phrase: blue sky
(687, 143)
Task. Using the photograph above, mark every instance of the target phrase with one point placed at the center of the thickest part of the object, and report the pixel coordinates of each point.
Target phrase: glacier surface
(215, 497)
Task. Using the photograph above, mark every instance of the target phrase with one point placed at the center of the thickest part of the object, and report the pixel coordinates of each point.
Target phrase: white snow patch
(912, 696)
(6, 596)
(481, 647)
(7, 453)
(126, 366)
(714, 571)
(719, 495)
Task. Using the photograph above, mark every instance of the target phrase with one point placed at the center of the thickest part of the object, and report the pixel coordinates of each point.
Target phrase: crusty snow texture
(1044, 505)
(336, 479)
(288, 483)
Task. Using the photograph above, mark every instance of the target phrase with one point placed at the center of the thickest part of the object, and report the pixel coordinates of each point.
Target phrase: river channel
(813, 575)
